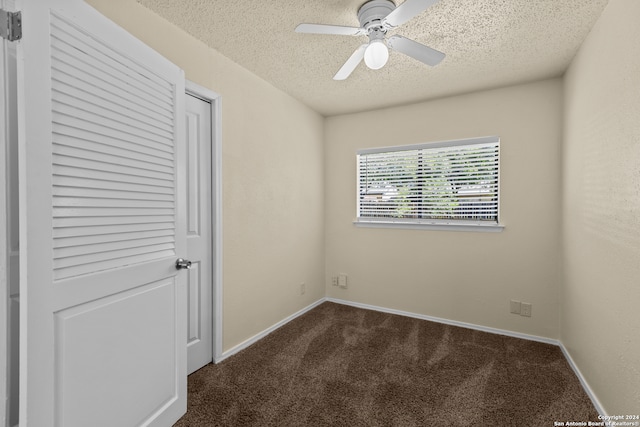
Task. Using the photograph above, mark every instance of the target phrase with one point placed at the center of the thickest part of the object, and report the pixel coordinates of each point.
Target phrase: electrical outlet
(334, 281)
(342, 280)
(526, 309)
(515, 307)
(303, 288)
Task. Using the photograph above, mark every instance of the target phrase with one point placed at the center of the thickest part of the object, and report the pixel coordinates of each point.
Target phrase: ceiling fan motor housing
(373, 12)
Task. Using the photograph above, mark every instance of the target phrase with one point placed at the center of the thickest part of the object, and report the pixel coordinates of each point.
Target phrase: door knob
(183, 263)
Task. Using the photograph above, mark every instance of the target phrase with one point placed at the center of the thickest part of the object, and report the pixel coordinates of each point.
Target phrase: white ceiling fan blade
(351, 63)
(329, 29)
(415, 50)
(406, 11)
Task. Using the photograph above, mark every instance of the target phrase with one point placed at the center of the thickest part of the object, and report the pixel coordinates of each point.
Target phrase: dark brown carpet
(342, 366)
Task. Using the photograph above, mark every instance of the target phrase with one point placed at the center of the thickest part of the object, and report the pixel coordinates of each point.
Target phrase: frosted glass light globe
(376, 54)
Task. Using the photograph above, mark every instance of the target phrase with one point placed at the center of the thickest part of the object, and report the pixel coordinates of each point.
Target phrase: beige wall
(600, 316)
(272, 180)
(462, 276)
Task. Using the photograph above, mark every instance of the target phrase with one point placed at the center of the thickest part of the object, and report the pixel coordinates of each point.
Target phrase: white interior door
(103, 308)
(199, 229)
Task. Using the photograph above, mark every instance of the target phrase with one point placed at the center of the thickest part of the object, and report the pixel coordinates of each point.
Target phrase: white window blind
(452, 182)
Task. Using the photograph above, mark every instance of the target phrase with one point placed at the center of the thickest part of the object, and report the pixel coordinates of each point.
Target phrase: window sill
(490, 228)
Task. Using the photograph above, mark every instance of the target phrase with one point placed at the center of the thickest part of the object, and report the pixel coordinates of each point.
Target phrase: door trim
(4, 277)
(216, 208)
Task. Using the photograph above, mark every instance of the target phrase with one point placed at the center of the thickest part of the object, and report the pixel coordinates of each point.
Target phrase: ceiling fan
(376, 18)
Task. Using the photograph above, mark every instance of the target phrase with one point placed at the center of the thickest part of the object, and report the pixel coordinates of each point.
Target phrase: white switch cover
(515, 307)
(342, 280)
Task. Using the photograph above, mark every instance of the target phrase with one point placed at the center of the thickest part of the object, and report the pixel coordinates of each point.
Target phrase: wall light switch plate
(526, 309)
(515, 307)
(342, 280)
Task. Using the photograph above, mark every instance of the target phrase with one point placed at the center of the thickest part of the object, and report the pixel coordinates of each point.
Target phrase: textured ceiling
(488, 43)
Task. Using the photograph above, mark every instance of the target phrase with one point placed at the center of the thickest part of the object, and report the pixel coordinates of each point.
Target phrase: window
(451, 184)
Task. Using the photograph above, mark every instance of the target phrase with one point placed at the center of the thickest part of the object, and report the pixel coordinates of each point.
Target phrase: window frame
(428, 223)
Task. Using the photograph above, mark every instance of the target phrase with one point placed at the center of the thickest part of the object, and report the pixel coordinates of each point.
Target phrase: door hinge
(10, 25)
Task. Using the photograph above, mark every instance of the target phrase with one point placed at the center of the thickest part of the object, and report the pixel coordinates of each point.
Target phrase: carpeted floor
(342, 366)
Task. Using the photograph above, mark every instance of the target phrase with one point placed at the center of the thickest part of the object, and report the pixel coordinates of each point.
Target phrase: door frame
(7, 104)
(215, 99)
(4, 259)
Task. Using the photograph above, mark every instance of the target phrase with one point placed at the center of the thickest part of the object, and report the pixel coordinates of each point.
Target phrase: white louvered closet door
(103, 308)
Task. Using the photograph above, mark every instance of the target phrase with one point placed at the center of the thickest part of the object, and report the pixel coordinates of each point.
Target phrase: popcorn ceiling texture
(488, 43)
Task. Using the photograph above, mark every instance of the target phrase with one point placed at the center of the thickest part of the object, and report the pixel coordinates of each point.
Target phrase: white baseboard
(583, 381)
(286, 320)
(260, 335)
(447, 321)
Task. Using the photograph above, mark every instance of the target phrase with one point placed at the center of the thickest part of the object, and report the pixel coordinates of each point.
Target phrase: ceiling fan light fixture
(376, 17)
(376, 55)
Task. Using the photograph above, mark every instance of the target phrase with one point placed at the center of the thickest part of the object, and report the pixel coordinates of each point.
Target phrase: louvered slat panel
(95, 115)
(87, 202)
(90, 183)
(75, 252)
(77, 172)
(121, 116)
(109, 194)
(107, 165)
(76, 241)
(92, 141)
(61, 233)
(93, 73)
(113, 158)
(74, 119)
(116, 220)
(87, 212)
(129, 71)
(68, 83)
(68, 92)
(83, 153)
